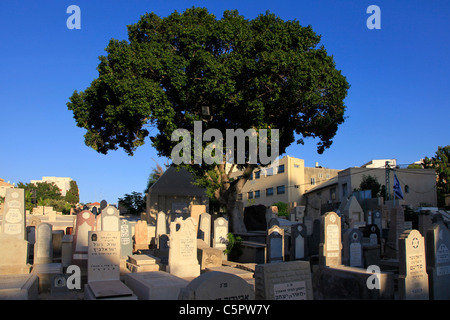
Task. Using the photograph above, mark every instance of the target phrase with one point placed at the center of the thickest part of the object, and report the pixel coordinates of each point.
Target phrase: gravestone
(161, 224)
(283, 281)
(330, 240)
(353, 253)
(299, 213)
(220, 233)
(103, 255)
(156, 285)
(195, 210)
(183, 248)
(377, 220)
(126, 241)
(299, 243)
(275, 244)
(43, 248)
(396, 228)
(372, 234)
(13, 222)
(413, 277)
(216, 285)
(85, 223)
(110, 219)
(13, 243)
(204, 228)
(141, 236)
(438, 261)
(208, 257)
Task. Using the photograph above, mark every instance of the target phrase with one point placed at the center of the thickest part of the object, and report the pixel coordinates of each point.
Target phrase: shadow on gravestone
(255, 218)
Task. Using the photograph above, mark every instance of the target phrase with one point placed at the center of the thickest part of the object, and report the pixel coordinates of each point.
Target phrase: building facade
(286, 180)
(62, 183)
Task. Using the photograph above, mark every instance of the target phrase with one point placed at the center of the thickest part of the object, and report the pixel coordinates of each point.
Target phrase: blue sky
(397, 106)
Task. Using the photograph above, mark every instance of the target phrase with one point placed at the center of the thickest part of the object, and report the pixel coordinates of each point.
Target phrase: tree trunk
(236, 218)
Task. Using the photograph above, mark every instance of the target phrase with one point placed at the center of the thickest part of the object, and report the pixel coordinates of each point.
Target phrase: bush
(283, 209)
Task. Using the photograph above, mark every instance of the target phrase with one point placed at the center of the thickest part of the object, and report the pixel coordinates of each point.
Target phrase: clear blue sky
(397, 107)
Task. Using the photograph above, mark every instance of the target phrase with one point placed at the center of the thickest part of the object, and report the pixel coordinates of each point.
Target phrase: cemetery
(102, 255)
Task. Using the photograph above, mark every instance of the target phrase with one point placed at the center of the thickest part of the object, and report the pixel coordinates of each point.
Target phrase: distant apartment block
(284, 181)
(3, 186)
(62, 183)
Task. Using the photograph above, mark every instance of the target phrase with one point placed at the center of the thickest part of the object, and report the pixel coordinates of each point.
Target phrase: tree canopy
(440, 162)
(264, 73)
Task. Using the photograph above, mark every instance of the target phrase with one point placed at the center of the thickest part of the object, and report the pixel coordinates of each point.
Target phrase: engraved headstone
(13, 221)
(103, 255)
(13, 243)
(110, 219)
(204, 228)
(126, 242)
(43, 248)
(413, 278)
(85, 223)
(353, 253)
(438, 261)
(141, 235)
(275, 244)
(299, 245)
(330, 240)
(220, 233)
(283, 281)
(183, 248)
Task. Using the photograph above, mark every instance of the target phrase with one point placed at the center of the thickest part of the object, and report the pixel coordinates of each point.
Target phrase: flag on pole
(397, 188)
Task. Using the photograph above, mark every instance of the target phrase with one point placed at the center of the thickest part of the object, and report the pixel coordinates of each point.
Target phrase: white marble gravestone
(183, 248)
(413, 277)
(330, 240)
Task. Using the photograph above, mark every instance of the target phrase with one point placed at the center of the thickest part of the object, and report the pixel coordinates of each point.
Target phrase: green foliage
(72, 195)
(283, 209)
(440, 162)
(371, 183)
(134, 202)
(260, 73)
(234, 247)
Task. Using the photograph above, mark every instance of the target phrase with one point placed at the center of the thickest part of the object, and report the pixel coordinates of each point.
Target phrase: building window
(257, 194)
(239, 196)
(257, 174)
(320, 175)
(333, 194)
(313, 181)
(269, 192)
(344, 190)
(250, 195)
(251, 176)
(269, 172)
(280, 190)
(281, 168)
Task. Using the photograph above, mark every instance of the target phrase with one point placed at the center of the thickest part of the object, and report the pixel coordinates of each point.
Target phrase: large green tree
(440, 162)
(248, 74)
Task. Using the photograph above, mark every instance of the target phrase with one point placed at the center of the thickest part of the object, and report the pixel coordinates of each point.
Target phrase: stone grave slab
(156, 285)
(208, 257)
(19, 287)
(108, 290)
(43, 248)
(283, 281)
(216, 285)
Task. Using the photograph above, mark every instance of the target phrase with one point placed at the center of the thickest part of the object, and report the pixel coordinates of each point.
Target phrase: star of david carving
(415, 243)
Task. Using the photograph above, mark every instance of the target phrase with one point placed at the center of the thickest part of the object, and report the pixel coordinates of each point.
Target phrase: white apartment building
(62, 183)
